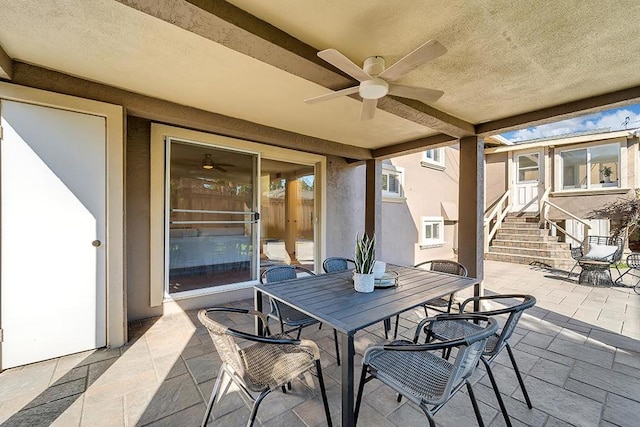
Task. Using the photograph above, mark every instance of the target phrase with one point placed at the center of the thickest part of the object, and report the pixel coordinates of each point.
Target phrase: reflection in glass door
(287, 206)
(212, 217)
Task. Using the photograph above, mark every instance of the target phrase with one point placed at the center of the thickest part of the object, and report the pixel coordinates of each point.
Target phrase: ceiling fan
(374, 78)
(207, 163)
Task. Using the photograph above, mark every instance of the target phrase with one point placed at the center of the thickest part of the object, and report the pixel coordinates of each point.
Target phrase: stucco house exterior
(571, 176)
(420, 219)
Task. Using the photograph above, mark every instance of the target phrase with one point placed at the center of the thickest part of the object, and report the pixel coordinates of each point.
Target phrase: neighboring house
(420, 206)
(578, 174)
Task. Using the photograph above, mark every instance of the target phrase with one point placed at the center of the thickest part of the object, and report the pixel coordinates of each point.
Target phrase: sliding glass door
(212, 216)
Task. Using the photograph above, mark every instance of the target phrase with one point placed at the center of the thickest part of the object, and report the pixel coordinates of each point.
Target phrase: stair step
(528, 231)
(523, 259)
(527, 225)
(543, 253)
(525, 237)
(526, 220)
(532, 244)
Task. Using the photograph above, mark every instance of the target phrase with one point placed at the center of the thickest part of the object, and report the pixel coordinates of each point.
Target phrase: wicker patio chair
(261, 367)
(334, 264)
(599, 248)
(451, 329)
(284, 314)
(442, 305)
(423, 377)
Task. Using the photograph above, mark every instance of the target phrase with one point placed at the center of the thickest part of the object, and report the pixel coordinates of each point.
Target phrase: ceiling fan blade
(428, 51)
(368, 109)
(336, 94)
(343, 63)
(218, 167)
(421, 94)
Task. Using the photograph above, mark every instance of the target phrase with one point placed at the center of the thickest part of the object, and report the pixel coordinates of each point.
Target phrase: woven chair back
(515, 313)
(225, 344)
(445, 266)
(335, 264)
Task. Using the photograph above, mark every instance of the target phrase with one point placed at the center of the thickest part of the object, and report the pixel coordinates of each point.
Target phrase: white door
(53, 194)
(528, 172)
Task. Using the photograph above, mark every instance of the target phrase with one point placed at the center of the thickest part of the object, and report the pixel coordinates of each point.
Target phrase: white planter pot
(363, 282)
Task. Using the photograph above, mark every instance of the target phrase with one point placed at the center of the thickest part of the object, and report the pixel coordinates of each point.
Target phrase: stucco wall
(496, 177)
(424, 190)
(345, 206)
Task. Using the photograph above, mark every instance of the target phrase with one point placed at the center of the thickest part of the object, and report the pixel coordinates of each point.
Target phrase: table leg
(257, 306)
(348, 351)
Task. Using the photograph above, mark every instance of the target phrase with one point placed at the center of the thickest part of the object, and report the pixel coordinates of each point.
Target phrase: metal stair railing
(544, 206)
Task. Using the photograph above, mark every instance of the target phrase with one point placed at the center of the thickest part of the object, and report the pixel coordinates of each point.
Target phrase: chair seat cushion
(600, 251)
(271, 365)
(421, 374)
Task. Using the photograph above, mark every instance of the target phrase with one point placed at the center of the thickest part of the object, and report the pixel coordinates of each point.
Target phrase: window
(590, 168)
(433, 157)
(528, 169)
(432, 230)
(392, 181)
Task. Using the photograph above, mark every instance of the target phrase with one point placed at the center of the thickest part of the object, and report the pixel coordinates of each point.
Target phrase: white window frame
(589, 186)
(431, 220)
(437, 161)
(389, 170)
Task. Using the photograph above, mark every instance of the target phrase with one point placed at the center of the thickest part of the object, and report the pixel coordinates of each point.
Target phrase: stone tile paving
(578, 350)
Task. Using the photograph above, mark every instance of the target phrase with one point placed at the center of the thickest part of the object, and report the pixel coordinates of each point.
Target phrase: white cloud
(614, 120)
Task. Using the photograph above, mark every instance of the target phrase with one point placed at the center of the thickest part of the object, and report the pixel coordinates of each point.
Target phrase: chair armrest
(490, 329)
(529, 301)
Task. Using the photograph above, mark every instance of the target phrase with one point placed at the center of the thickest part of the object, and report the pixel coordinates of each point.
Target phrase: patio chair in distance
(422, 376)
(599, 248)
(450, 329)
(261, 367)
(442, 305)
(284, 314)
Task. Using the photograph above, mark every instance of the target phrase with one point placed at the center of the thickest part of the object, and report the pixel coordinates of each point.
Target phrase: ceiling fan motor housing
(373, 65)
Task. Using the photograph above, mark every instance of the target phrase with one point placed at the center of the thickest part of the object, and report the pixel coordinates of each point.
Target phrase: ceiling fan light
(207, 162)
(375, 88)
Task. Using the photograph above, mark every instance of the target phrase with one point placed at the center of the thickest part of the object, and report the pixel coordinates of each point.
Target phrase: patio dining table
(331, 299)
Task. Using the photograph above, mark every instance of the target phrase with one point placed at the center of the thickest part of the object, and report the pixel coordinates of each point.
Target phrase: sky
(617, 119)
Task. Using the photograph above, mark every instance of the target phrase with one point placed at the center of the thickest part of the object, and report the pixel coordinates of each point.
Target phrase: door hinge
(1, 335)
(1, 133)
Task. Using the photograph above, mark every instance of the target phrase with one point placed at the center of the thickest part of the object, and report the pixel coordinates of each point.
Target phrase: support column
(373, 200)
(471, 207)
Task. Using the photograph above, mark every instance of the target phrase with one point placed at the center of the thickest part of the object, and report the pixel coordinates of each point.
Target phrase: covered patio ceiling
(253, 62)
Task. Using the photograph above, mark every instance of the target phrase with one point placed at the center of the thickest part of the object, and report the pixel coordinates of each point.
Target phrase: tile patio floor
(578, 348)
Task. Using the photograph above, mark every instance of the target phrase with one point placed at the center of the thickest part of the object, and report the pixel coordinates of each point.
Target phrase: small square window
(392, 181)
(432, 232)
(434, 157)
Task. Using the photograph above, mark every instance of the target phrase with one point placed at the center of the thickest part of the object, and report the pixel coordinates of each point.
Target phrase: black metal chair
(284, 314)
(599, 248)
(423, 377)
(451, 329)
(442, 305)
(261, 367)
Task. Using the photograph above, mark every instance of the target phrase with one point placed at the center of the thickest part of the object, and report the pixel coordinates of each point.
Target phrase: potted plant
(606, 172)
(364, 260)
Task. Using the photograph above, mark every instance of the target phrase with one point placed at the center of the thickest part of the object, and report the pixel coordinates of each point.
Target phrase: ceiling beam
(180, 115)
(414, 146)
(6, 65)
(569, 110)
(232, 27)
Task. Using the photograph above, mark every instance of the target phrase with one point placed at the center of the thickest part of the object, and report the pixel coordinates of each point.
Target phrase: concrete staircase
(521, 241)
